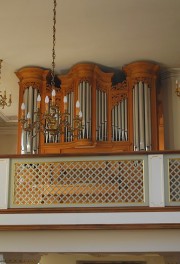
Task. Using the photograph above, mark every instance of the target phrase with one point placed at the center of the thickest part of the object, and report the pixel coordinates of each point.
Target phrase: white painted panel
(4, 183)
(91, 218)
(156, 181)
(91, 241)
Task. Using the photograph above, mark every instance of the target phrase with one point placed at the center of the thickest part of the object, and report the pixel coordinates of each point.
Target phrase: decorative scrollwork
(120, 86)
(102, 86)
(85, 79)
(143, 80)
(35, 85)
(117, 98)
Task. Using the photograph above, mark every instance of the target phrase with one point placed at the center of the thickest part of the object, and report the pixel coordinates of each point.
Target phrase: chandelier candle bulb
(46, 103)
(38, 101)
(23, 110)
(77, 107)
(65, 103)
(29, 118)
(53, 96)
(80, 114)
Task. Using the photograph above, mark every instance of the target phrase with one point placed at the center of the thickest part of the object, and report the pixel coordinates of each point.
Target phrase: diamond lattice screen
(79, 183)
(174, 180)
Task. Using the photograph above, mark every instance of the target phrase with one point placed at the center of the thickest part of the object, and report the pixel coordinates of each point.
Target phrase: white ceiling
(107, 32)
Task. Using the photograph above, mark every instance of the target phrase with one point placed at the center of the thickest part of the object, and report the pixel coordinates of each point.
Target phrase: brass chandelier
(52, 121)
(4, 101)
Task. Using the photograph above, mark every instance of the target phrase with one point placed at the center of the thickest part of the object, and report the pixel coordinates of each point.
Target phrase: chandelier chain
(54, 43)
(0, 69)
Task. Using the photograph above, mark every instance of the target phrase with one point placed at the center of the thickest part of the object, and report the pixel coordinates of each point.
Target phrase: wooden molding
(88, 210)
(88, 227)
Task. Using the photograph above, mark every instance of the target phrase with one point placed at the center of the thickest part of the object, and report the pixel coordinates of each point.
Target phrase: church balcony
(122, 190)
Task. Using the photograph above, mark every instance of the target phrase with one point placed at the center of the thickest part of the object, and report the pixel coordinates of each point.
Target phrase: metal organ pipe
(29, 110)
(87, 110)
(84, 96)
(126, 120)
(136, 115)
(134, 123)
(97, 116)
(83, 109)
(115, 122)
(24, 133)
(30, 141)
(34, 118)
(146, 112)
(89, 116)
(105, 117)
(101, 115)
(113, 129)
(119, 121)
(141, 117)
(122, 118)
(149, 118)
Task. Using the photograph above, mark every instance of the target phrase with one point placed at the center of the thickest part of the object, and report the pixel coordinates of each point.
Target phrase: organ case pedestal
(120, 117)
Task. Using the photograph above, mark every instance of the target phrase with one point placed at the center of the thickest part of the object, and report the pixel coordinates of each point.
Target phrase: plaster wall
(8, 143)
(91, 241)
(171, 107)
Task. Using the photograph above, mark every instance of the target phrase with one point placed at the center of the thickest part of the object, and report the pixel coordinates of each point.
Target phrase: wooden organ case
(119, 117)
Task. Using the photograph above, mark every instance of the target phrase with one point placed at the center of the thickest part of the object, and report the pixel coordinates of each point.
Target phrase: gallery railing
(123, 180)
(84, 181)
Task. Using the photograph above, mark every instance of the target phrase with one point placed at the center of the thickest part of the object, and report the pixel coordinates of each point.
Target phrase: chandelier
(177, 88)
(52, 121)
(4, 101)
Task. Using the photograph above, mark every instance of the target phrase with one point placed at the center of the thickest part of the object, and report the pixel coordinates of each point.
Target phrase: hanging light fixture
(4, 101)
(52, 121)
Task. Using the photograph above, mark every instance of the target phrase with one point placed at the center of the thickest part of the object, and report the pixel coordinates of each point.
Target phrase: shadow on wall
(8, 141)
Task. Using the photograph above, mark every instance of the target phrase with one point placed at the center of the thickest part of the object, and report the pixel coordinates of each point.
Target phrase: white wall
(100, 241)
(171, 105)
(8, 141)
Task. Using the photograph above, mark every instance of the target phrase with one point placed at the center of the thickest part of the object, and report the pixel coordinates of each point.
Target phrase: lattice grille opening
(174, 180)
(79, 183)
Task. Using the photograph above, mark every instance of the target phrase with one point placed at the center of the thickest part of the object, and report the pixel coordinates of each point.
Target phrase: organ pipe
(141, 117)
(149, 119)
(35, 138)
(136, 116)
(126, 120)
(120, 121)
(134, 123)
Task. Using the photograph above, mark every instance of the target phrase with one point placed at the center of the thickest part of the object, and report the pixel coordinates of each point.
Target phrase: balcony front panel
(172, 179)
(98, 181)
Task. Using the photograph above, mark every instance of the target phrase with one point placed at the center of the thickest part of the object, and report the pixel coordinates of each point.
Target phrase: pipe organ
(115, 117)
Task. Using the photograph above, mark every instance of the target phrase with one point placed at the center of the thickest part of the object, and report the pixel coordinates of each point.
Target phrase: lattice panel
(79, 183)
(174, 180)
